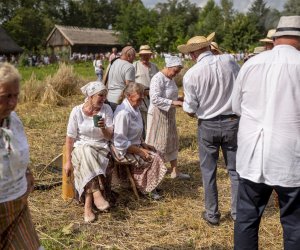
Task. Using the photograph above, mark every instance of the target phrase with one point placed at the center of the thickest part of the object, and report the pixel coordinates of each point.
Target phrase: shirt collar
(130, 108)
(204, 54)
(283, 46)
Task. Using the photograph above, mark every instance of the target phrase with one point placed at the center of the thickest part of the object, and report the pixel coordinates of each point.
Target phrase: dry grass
(171, 223)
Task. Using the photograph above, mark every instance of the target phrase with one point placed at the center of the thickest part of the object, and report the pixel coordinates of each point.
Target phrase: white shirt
(128, 127)
(163, 91)
(14, 162)
(208, 86)
(266, 96)
(81, 127)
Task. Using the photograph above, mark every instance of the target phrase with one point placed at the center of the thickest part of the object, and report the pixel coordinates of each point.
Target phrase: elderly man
(121, 72)
(266, 96)
(208, 88)
(144, 71)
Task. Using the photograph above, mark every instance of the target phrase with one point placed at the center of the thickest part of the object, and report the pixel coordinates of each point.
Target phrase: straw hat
(269, 38)
(288, 26)
(215, 46)
(196, 43)
(258, 50)
(145, 49)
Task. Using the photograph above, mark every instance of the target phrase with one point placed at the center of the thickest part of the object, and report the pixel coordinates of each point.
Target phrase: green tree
(258, 13)
(292, 7)
(242, 34)
(28, 32)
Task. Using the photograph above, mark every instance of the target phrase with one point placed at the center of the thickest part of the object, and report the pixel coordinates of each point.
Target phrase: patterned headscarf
(92, 88)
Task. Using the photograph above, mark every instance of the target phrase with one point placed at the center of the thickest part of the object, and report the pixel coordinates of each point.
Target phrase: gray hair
(9, 74)
(130, 88)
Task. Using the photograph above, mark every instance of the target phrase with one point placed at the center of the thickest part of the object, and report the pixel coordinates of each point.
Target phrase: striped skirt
(162, 132)
(16, 227)
(146, 174)
(89, 162)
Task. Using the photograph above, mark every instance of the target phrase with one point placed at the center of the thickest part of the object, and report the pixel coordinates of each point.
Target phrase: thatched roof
(87, 36)
(7, 44)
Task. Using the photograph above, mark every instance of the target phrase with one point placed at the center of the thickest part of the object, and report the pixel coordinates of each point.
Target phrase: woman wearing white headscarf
(87, 147)
(162, 130)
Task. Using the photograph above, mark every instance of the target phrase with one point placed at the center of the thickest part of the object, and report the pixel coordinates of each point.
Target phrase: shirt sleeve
(72, 129)
(190, 104)
(121, 125)
(130, 74)
(109, 117)
(156, 93)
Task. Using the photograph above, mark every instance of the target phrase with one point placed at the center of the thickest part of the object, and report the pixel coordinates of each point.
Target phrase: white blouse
(81, 127)
(14, 159)
(162, 92)
(128, 127)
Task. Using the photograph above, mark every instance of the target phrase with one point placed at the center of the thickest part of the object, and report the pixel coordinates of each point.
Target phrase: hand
(149, 147)
(177, 103)
(101, 123)
(144, 153)
(68, 168)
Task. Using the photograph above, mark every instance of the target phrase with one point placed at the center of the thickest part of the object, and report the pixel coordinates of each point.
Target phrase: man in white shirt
(121, 72)
(208, 87)
(266, 96)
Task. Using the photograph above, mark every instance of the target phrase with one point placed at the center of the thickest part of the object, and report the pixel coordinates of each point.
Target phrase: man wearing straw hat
(268, 41)
(266, 96)
(208, 87)
(144, 71)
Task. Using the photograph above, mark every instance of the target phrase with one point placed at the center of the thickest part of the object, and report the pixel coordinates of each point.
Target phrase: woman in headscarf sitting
(147, 166)
(87, 147)
(16, 181)
(162, 130)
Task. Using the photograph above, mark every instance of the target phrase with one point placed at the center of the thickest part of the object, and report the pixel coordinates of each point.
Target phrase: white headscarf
(172, 61)
(92, 88)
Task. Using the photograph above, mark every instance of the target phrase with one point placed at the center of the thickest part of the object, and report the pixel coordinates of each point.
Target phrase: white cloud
(240, 5)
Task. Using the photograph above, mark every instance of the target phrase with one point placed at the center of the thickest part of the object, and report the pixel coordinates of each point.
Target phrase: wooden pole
(67, 181)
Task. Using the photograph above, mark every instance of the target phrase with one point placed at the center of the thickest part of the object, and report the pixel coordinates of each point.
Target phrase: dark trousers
(252, 200)
(215, 134)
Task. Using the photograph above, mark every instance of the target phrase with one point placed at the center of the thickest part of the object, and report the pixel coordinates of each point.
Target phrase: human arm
(142, 152)
(68, 167)
(129, 74)
(106, 123)
(190, 104)
(237, 95)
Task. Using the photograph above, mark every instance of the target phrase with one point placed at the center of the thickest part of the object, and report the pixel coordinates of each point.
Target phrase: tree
(258, 13)
(28, 32)
(241, 35)
(292, 7)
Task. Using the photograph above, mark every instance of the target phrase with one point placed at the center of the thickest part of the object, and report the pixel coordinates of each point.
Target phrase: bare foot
(99, 201)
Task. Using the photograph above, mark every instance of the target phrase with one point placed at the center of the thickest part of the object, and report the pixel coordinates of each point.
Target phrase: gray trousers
(213, 134)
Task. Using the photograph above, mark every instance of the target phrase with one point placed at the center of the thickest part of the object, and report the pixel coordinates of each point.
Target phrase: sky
(240, 5)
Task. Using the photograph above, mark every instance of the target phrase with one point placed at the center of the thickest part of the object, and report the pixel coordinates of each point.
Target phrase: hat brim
(266, 40)
(188, 48)
(145, 52)
(286, 33)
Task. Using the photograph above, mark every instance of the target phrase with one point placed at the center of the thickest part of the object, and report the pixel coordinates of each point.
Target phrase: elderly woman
(162, 130)
(16, 181)
(147, 168)
(87, 147)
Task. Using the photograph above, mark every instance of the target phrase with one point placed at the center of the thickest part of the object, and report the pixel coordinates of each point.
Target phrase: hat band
(288, 29)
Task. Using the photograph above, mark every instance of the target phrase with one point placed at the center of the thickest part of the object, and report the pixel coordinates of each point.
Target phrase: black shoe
(212, 220)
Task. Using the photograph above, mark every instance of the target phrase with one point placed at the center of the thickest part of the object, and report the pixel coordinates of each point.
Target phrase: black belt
(221, 117)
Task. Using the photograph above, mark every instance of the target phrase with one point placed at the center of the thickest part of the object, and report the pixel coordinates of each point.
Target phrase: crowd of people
(250, 113)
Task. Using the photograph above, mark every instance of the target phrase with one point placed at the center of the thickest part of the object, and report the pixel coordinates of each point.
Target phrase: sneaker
(154, 195)
(212, 220)
(180, 176)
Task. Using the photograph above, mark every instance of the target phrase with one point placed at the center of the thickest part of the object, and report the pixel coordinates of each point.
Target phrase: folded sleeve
(156, 94)
(190, 104)
(72, 128)
(237, 95)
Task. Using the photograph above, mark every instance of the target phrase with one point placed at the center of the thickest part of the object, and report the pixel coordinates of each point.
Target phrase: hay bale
(52, 97)
(65, 81)
(32, 90)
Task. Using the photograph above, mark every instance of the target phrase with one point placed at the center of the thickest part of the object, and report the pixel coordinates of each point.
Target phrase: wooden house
(81, 40)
